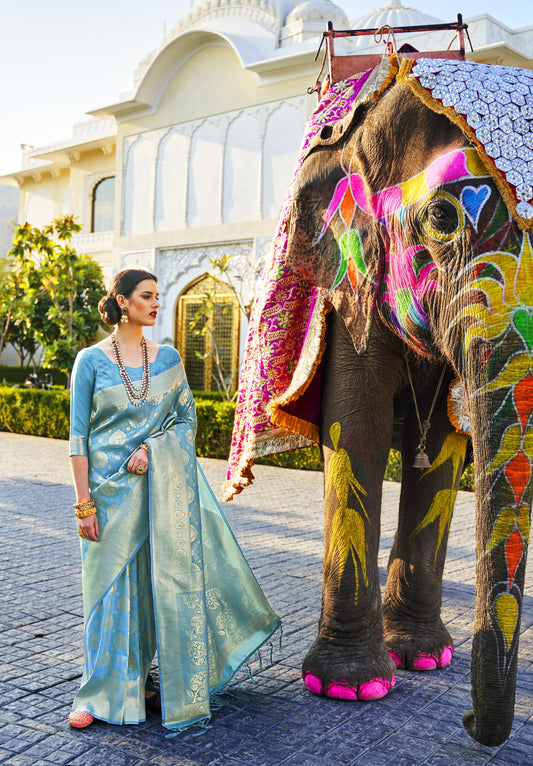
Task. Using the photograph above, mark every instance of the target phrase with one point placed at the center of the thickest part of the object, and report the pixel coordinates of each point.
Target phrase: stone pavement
(278, 522)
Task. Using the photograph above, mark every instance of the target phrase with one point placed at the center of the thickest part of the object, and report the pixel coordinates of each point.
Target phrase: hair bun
(109, 310)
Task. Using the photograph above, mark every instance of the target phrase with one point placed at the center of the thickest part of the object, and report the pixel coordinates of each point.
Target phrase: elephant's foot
(347, 672)
(418, 647)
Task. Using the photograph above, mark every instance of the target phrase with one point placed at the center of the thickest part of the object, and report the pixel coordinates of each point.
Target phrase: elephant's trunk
(499, 411)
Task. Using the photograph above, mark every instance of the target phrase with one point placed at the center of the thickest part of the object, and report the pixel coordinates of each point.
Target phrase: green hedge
(31, 411)
(46, 413)
(215, 422)
(17, 375)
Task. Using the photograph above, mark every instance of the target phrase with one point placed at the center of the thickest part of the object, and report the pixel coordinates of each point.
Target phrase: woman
(161, 569)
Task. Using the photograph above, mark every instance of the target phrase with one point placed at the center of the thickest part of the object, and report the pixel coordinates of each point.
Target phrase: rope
(317, 86)
(426, 425)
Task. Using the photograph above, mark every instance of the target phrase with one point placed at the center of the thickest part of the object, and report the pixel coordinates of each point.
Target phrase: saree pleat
(167, 574)
(210, 592)
(119, 646)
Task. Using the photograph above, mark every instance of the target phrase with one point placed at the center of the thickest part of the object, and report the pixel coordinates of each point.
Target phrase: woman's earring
(124, 317)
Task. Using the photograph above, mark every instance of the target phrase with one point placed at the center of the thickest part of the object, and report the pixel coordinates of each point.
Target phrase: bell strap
(421, 460)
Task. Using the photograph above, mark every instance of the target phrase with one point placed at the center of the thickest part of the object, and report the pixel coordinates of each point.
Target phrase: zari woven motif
(493, 106)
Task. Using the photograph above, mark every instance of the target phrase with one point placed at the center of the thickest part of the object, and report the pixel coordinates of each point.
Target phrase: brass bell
(421, 460)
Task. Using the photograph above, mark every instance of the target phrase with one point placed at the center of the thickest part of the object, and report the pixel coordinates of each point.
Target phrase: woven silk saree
(167, 574)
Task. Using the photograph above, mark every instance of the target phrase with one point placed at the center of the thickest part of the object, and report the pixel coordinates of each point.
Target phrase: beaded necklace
(137, 396)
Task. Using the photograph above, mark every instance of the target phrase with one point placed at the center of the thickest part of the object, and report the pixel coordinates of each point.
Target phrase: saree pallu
(167, 574)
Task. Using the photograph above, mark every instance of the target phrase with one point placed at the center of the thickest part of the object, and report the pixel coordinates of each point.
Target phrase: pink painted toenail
(376, 689)
(425, 661)
(313, 683)
(340, 692)
(396, 659)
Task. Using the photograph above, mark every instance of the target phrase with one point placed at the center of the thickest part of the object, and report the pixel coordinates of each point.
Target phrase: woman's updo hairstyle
(124, 283)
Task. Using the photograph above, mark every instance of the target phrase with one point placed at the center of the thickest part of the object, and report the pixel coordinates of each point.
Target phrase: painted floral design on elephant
(441, 508)
(348, 524)
(506, 282)
(409, 271)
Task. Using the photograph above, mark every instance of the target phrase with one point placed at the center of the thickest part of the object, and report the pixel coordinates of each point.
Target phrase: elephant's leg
(348, 660)
(414, 632)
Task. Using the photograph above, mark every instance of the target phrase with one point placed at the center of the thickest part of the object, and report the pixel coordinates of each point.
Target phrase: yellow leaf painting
(348, 524)
(441, 508)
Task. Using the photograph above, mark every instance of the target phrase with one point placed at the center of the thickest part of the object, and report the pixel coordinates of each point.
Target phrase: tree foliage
(50, 294)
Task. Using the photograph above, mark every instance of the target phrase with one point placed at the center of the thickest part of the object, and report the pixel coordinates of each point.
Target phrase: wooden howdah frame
(341, 67)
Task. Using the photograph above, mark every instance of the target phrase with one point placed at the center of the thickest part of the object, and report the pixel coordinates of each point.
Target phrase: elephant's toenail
(425, 661)
(396, 659)
(376, 689)
(338, 691)
(313, 683)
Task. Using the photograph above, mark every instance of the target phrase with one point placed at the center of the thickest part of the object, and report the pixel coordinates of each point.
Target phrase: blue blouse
(94, 371)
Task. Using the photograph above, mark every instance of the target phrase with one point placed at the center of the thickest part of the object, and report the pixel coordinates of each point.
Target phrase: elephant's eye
(442, 217)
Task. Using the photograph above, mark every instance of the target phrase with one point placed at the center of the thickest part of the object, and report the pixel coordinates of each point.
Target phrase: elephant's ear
(336, 132)
(362, 91)
(346, 266)
(354, 293)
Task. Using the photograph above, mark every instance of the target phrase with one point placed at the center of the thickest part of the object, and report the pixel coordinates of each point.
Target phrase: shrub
(17, 375)
(212, 396)
(393, 471)
(46, 413)
(215, 423)
(36, 412)
(467, 479)
(308, 459)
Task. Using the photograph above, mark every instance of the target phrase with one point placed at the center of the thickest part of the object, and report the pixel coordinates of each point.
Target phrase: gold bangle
(82, 513)
(85, 504)
(145, 447)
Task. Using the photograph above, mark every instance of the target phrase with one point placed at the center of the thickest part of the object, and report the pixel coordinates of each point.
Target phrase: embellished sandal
(80, 720)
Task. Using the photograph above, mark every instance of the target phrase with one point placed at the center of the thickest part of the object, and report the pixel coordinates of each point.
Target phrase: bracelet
(87, 508)
(81, 514)
(145, 447)
(86, 504)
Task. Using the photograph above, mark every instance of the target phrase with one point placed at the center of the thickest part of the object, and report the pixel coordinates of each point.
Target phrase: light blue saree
(167, 574)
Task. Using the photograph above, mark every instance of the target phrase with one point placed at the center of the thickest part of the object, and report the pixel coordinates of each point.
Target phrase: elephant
(423, 260)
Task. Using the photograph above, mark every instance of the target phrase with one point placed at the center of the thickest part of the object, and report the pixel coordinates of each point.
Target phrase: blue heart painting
(473, 200)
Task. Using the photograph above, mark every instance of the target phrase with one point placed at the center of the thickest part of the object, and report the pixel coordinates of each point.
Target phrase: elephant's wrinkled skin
(438, 267)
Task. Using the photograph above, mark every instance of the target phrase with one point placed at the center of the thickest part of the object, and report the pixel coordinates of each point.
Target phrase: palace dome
(395, 15)
(309, 20)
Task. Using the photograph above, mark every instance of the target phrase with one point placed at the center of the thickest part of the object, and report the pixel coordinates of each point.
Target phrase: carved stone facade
(229, 168)
(204, 146)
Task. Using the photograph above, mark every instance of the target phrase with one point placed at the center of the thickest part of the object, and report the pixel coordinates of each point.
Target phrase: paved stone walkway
(278, 522)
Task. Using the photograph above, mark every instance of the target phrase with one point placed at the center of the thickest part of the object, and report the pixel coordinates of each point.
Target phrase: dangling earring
(124, 317)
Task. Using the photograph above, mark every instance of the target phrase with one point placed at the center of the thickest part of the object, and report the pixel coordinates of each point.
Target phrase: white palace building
(193, 164)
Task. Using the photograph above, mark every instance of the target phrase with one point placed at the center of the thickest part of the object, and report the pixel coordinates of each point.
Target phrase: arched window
(207, 334)
(103, 203)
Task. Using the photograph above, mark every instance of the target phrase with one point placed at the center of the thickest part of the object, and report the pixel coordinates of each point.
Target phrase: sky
(60, 58)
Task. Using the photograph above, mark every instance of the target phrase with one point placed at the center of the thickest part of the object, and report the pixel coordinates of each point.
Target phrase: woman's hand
(138, 462)
(88, 527)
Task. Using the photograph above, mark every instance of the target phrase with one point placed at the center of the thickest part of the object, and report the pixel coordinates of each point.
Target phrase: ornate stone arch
(207, 325)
